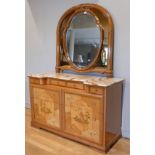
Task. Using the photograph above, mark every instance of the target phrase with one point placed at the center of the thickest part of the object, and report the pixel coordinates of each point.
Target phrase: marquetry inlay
(82, 116)
(46, 106)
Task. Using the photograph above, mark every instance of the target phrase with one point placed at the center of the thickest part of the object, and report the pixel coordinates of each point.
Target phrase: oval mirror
(83, 40)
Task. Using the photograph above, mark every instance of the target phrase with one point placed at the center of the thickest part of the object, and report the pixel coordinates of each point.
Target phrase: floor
(41, 142)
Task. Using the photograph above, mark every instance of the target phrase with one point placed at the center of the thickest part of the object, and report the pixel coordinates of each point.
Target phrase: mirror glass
(83, 39)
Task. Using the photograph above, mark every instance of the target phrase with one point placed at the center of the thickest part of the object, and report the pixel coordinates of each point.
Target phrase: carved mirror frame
(81, 10)
(99, 13)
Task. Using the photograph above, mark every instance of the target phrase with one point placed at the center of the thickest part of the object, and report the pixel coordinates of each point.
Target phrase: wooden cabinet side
(113, 113)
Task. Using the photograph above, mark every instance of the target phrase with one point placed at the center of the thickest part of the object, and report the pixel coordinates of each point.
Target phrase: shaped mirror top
(85, 40)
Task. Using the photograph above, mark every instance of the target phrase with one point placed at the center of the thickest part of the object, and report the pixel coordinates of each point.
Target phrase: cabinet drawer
(37, 81)
(56, 82)
(75, 85)
(96, 90)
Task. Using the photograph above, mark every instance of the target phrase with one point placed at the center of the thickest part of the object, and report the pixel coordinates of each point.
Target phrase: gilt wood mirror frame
(99, 45)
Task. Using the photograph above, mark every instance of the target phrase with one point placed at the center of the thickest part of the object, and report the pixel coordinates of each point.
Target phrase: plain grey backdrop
(40, 43)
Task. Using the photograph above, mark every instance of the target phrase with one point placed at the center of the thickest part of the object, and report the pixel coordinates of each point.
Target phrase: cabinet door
(84, 116)
(46, 106)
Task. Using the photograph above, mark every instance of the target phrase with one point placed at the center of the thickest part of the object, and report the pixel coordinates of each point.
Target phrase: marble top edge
(69, 76)
(86, 79)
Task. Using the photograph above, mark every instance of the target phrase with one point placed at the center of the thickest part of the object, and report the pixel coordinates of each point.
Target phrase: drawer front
(96, 90)
(84, 117)
(58, 82)
(37, 81)
(75, 85)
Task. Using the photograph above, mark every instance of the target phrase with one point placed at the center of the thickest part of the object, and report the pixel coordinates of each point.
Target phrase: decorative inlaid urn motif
(83, 118)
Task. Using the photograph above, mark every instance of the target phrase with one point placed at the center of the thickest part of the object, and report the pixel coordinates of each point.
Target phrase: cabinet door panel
(83, 116)
(46, 107)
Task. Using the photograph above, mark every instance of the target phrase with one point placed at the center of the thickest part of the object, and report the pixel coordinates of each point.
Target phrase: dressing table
(81, 107)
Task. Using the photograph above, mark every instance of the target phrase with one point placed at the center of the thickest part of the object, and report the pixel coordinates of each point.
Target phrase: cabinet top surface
(86, 79)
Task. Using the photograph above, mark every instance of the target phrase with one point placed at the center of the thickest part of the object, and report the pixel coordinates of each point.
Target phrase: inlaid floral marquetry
(46, 106)
(82, 116)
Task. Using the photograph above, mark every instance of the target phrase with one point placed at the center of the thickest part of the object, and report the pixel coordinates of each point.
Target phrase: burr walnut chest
(81, 107)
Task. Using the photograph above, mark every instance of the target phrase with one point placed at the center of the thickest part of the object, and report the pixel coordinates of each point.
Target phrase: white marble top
(86, 79)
